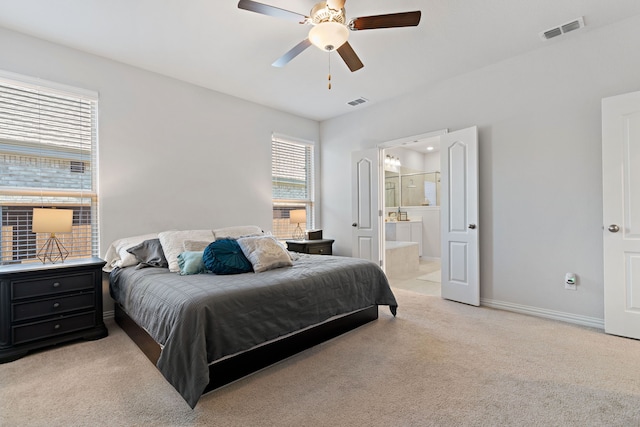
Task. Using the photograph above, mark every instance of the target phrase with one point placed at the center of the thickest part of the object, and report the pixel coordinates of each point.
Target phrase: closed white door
(621, 214)
(459, 216)
(365, 207)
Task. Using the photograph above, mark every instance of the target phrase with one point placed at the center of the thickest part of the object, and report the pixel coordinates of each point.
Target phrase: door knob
(355, 224)
(614, 228)
(472, 226)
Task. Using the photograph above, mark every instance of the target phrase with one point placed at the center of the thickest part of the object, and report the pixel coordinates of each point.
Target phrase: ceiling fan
(330, 27)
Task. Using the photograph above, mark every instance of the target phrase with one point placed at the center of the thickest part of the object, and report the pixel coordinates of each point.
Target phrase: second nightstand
(314, 247)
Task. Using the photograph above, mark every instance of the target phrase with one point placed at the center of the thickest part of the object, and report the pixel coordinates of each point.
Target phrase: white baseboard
(592, 322)
(108, 314)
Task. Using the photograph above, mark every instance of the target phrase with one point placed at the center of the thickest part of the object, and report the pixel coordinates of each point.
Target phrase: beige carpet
(438, 363)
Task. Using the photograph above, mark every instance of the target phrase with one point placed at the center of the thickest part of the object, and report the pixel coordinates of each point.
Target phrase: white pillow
(237, 232)
(264, 253)
(117, 255)
(173, 243)
(195, 245)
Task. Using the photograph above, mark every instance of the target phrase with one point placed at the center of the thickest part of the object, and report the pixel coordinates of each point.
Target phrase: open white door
(621, 214)
(459, 216)
(365, 166)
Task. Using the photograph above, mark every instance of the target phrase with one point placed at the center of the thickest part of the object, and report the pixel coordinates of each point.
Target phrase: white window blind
(48, 146)
(292, 171)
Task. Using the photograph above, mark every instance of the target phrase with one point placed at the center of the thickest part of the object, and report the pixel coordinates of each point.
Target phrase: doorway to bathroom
(411, 200)
(457, 214)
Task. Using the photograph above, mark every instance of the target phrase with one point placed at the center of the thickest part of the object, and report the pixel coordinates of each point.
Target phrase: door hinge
(380, 212)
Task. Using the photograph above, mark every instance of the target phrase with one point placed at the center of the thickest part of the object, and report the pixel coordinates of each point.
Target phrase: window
(292, 180)
(48, 146)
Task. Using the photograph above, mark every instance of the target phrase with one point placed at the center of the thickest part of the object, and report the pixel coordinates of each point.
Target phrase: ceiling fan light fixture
(329, 36)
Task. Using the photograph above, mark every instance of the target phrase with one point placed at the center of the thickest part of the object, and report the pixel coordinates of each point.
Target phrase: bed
(205, 330)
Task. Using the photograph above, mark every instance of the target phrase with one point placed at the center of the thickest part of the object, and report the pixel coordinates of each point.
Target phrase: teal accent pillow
(191, 263)
(226, 257)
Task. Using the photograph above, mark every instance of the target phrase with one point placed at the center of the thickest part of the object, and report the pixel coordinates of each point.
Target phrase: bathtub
(401, 258)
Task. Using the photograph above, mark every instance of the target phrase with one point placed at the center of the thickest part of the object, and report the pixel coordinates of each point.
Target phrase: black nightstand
(315, 247)
(47, 304)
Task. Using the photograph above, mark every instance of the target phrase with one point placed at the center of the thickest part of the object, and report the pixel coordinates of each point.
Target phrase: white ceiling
(214, 44)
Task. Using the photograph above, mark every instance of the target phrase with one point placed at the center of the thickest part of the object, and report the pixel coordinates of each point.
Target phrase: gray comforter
(201, 318)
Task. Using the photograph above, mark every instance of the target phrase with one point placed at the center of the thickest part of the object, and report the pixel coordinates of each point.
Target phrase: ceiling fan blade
(404, 19)
(349, 56)
(265, 9)
(335, 4)
(295, 51)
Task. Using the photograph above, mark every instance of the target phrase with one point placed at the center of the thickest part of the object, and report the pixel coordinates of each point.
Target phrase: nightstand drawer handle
(57, 326)
(56, 284)
(56, 304)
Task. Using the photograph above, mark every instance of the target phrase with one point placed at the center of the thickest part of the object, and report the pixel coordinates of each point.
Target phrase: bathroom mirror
(411, 177)
(412, 188)
(391, 189)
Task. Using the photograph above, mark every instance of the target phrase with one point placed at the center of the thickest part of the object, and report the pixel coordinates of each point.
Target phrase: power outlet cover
(570, 281)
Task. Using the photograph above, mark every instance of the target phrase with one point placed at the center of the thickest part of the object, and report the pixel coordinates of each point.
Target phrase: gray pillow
(149, 254)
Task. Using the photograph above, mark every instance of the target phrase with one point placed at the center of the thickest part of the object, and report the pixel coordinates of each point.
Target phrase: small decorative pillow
(149, 254)
(225, 257)
(173, 243)
(190, 263)
(264, 252)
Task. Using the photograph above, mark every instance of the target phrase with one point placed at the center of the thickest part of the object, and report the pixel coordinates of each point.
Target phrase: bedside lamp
(52, 221)
(297, 217)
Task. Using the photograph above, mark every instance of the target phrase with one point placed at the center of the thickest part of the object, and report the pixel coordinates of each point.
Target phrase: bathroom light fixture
(392, 161)
(52, 221)
(298, 216)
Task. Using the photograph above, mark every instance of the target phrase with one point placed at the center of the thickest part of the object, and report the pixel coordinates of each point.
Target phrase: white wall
(540, 152)
(171, 155)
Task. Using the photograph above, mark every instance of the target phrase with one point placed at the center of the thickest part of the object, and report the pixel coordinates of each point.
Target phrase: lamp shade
(298, 216)
(52, 220)
(328, 35)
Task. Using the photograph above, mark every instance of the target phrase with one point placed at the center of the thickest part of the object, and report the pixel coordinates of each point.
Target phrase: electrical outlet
(570, 281)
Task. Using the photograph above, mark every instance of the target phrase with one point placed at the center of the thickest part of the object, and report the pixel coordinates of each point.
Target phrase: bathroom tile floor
(418, 282)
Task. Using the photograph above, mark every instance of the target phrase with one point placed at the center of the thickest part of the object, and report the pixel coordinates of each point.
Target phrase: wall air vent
(358, 101)
(562, 29)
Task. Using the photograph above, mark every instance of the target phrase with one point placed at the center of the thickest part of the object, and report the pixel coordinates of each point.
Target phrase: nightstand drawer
(33, 309)
(313, 247)
(51, 285)
(320, 250)
(63, 325)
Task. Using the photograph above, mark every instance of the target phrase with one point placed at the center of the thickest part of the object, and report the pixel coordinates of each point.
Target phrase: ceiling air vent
(562, 29)
(357, 102)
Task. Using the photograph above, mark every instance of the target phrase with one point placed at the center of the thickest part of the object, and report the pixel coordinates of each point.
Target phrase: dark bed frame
(242, 364)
